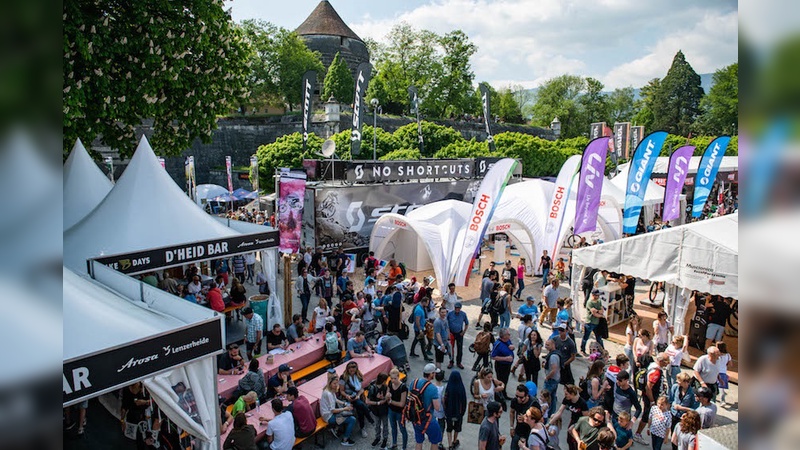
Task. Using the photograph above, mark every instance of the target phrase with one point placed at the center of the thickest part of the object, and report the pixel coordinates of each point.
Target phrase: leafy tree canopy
(179, 64)
(339, 82)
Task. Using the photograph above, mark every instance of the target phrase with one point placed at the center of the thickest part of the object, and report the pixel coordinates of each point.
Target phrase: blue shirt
(457, 321)
(377, 302)
(624, 435)
(354, 348)
(501, 349)
(419, 316)
(562, 317)
(254, 325)
(525, 309)
(440, 328)
(688, 400)
(430, 394)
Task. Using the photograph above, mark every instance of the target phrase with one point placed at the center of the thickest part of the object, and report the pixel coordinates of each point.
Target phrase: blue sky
(525, 42)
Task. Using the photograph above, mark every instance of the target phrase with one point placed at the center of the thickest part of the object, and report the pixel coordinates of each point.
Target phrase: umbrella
(243, 194)
(224, 198)
(209, 191)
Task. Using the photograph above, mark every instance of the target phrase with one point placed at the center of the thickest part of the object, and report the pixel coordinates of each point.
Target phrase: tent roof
(728, 164)
(96, 318)
(144, 210)
(702, 255)
(85, 185)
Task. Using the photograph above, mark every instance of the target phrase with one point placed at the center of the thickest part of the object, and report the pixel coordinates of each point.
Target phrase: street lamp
(374, 102)
(555, 126)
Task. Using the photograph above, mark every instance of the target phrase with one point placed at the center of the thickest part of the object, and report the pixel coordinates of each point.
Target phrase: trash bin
(259, 304)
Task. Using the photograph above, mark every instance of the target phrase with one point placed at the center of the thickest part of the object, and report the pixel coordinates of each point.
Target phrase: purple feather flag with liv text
(676, 177)
(590, 184)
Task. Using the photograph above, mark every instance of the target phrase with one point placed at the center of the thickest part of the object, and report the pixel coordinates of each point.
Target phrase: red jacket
(304, 415)
(215, 299)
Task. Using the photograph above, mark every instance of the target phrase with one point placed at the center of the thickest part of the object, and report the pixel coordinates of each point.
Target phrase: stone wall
(240, 137)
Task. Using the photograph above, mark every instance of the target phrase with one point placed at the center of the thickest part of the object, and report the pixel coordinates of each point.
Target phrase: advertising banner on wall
(292, 188)
(637, 133)
(596, 130)
(228, 170)
(622, 134)
(344, 216)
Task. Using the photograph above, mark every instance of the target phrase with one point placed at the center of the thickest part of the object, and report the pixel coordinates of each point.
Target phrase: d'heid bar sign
(163, 257)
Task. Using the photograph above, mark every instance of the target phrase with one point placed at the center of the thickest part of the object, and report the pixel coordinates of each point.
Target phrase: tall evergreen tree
(677, 102)
(594, 102)
(338, 82)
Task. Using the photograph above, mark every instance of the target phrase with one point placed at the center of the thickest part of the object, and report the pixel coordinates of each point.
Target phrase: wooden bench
(229, 310)
(311, 371)
(321, 425)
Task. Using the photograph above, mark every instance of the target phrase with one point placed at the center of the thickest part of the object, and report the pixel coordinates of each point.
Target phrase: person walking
(378, 401)
(254, 331)
(503, 356)
(549, 303)
(706, 370)
(398, 393)
(594, 312)
(520, 278)
(489, 437)
(552, 373)
(457, 323)
(544, 265)
(424, 389)
(455, 406)
(419, 315)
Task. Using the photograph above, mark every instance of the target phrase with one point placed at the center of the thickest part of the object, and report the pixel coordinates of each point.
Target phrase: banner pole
(287, 287)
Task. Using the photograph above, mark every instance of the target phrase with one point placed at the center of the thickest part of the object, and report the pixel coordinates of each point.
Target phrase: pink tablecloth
(370, 368)
(308, 353)
(266, 411)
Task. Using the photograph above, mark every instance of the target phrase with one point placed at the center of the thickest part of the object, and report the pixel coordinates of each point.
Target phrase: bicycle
(657, 292)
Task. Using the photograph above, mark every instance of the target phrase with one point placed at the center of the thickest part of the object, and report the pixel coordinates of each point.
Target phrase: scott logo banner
(676, 177)
(590, 184)
(309, 82)
(487, 114)
(482, 209)
(362, 80)
(707, 173)
(639, 171)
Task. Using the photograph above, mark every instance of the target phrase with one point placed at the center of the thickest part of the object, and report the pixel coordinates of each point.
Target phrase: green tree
(677, 102)
(643, 108)
(436, 137)
(404, 154)
(594, 102)
(559, 97)
(339, 82)
(390, 88)
(294, 59)
(620, 105)
(287, 151)
(721, 105)
(177, 64)
(457, 77)
(507, 107)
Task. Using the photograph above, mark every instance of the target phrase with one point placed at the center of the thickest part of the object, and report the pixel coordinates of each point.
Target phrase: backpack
(415, 411)
(499, 303)
(483, 343)
(640, 380)
(370, 263)
(331, 343)
(547, 360)
(402, 269)
(412, 317)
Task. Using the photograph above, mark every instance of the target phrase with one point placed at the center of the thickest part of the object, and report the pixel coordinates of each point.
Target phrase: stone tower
(324, 31)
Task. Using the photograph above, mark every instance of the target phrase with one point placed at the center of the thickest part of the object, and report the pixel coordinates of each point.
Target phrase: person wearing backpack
(422, 400)
(503, 356)
(552, 373)
(483, 346)
(418, 319)
(656, 384)
(502, 305)
(333, 344)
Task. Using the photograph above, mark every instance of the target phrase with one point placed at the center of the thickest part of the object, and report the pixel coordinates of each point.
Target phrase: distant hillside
(706, 80)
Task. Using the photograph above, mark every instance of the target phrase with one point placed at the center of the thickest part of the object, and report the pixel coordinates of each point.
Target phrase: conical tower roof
(324, 20)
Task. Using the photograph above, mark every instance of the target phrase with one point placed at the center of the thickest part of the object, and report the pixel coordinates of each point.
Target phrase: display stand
(615, 310)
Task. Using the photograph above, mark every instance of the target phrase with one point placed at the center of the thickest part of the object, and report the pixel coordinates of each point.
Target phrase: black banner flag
(309, 82)
(413, 99)
(362, 81)
(487, 114)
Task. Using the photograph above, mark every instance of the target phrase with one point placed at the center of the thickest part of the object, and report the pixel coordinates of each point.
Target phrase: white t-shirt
(661, 333)
(250, 258)
(322, 314)
(450, 300)
(282, 429)
(675, 355)
(439, 413)
(722, 363)
(633, 335)
(707, 370)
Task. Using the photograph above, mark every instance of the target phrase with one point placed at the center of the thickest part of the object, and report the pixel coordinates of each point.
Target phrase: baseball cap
(595, 291)
(493, 407)
(284, 368)
(429, 368)
(532, 389)
(530, 298)
(563, 326)
(458, 305)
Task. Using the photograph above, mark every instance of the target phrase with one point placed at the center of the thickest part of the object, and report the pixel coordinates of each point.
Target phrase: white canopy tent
(145, 209)
(653, 196)
(85, 186)
(433, 227)
(701, 256)
(118, 331)
(208, 191)
(728, 164)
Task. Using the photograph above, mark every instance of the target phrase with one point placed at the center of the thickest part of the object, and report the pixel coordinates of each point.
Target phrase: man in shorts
(430, 401)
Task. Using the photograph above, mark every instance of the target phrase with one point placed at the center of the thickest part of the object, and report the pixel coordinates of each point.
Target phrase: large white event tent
(118, 330)
(144, 210)
(85, 185)
(728, 164)
(702, 256)
(652, 197)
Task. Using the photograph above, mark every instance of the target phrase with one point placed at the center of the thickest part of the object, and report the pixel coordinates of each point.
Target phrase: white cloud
(709, 45)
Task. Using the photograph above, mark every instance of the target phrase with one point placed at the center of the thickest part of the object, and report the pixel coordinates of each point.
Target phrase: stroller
(393, 347)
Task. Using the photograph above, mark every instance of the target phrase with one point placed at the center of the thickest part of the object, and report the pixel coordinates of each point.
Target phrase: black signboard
(482, 165)
(178, 255)
(102, 372)
(375, 171)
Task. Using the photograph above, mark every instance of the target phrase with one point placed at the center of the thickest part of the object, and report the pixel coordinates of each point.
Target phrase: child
(722, 364)
(622, 427)
(660, 421)
(560, 268)
(553, 430)
(377, 400)
(544, 401)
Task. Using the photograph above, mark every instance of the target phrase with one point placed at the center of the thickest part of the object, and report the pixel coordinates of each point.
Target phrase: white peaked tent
(85, 186)
(654, 194)
(701, 256)
(433, 227)
(144, 210)
(114, 319)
